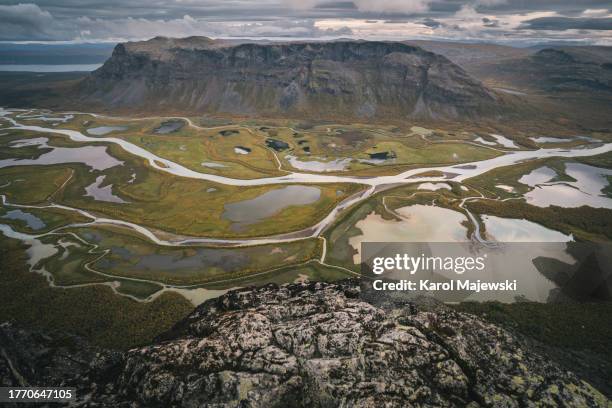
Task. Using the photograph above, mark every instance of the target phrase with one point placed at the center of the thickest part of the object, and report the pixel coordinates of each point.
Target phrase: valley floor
(124, 220)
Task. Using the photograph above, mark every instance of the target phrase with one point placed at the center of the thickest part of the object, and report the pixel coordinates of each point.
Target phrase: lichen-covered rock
(313, 344)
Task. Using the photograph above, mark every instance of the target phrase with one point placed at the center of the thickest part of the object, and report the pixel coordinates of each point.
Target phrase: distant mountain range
(551, 69)
(315, 79)
(330, 80)
(564, 69)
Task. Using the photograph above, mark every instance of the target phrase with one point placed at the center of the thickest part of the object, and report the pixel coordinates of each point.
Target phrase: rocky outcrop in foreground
(303, 345)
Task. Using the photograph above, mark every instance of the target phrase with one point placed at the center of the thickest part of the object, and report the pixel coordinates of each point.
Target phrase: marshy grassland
(208, 147)
(155, 199)
(93, 312)
(117, 283)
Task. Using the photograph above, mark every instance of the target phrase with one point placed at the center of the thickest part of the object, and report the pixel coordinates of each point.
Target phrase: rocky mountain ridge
(333, 79)
(308, 345)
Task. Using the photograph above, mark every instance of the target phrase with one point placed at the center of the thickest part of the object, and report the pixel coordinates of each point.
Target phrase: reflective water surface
(267, 204)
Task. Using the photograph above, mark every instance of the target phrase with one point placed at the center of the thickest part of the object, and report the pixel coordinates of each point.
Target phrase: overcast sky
(504, 21)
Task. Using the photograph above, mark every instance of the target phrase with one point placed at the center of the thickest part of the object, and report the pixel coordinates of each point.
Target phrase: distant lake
(50, 68)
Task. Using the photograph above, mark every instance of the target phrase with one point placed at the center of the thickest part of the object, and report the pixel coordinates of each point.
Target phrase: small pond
(104, 130)
(31, 220)
(586, 190)
(102, 193)
(318, 165)
(169, 126)
(277, 145)
(96, 157)
(251, 211)
(241, 150)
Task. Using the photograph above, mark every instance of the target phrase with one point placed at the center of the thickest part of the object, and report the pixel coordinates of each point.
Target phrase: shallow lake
(176, 262)
(538, 176)
(31, 220)
(586, 190)
(531, 283)
(277, 145)
(104, 130)
(547, 139)
(198, 296)
(95, 157)
(213, 165)
(420, 223)
(169, 127)
(504, 141)
(479, 139)
(434, 186)
(37, 250)
(49, 68)
(242, 150)
(256, 209)
(318, 165)
(515, 230)
(102, 193)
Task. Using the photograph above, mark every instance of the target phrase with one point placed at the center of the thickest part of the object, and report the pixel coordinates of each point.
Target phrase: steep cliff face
(304, 345)
(323, 79)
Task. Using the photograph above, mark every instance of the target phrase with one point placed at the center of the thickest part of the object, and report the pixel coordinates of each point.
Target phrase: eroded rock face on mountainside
(318, 79)
(309, 345)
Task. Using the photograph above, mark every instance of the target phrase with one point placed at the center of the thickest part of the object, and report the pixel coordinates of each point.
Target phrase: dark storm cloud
(524, 6)
(431, 23)
(487, 22)
(566, 23)
(347, 5)
(136, 19)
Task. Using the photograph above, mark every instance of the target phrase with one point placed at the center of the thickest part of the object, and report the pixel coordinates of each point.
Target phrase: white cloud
(596, 13)
(393, 6)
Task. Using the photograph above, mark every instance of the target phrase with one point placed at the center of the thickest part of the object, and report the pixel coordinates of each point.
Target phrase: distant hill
(571, 69)
(319, 79)
(470, 56)
(561, 69)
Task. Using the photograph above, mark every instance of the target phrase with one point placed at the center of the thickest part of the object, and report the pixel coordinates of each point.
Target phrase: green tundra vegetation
(585, 223)
(129, 255)
(28, 187)
(52, 218)
(576, 335)
(94, 312)
(110, 260)
(159, 200)
(212, 149)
